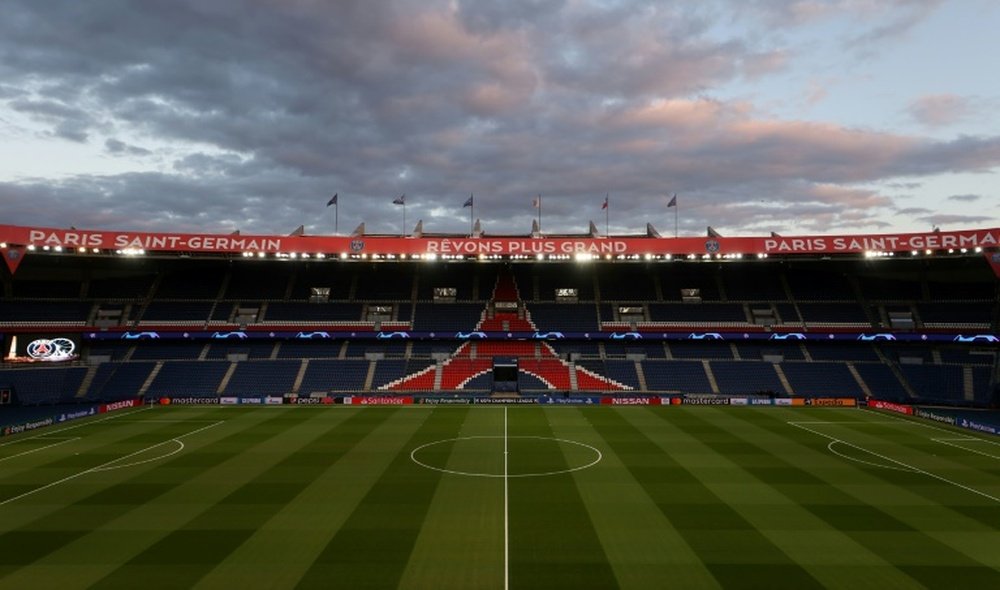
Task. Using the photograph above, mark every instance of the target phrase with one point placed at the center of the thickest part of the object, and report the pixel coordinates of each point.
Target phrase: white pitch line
(105, 464)
(946, 441)
(900, 463)
(85, 423)
(62, 442)
(921, 422)
(506, 512)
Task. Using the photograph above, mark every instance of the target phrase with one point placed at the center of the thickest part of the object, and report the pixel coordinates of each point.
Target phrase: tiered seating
(618, 370)
(626, 283)
(839, 351)
(457, 371)
(253, 378)
(968, 314)
(309, 349)
(966, 356)
(416, 375)
(431, 276)
(818, 285)
(334, 375)
(335, 277)
(254, 349)
(821, 379)
(38, 386)
(698, 313)
(586, 349)
(676, 376)
(43, 289)
(878, 288)
(700, 349)
(789, 350)
(297, 312)
(111, 288)
(385, 282)
(981, 385)
(753, 281)
(744, 377)
(564, 317)
(936, 382)
(551, 371)
(62, 313)
(192, 280)
(447, 317)
(390, 348)
(505, 348)
(679, 275)
(162, 351)
(188, 378)
(881, 381)
(115, 381)
(257, 279)
(833, 314)
(177, 312)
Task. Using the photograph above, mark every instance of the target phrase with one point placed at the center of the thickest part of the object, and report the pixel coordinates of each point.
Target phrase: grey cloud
(267, 108)
(952, 219)
(965, 198)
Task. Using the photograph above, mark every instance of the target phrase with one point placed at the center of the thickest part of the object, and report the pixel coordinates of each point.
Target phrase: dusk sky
(795, 116)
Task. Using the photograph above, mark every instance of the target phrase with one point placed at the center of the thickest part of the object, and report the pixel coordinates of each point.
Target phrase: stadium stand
(789, 300)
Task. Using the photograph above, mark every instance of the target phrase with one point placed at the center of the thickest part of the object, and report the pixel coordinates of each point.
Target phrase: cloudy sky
(797, 116)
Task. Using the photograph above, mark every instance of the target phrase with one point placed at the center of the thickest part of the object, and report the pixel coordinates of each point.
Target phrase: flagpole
(404, 218)
(336, 218)
(472, 213)
(607, 214)
(675, 215)
(539, 213)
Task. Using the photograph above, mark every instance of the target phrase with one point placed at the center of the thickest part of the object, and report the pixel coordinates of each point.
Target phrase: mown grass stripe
(731, 548)
(643, 548)
(460, 544)
(553, 543)
(372, 547)
(80, 529)
(194, 549)
(893, 539)
(284, 547)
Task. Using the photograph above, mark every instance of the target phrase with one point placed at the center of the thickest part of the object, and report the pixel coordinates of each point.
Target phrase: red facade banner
(40, 237)
(12, 255)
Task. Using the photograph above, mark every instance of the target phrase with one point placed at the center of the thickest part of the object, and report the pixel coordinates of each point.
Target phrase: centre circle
(526, 456)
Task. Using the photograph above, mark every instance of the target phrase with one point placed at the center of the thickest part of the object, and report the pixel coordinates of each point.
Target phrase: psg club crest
(357, 245)
(712, 246)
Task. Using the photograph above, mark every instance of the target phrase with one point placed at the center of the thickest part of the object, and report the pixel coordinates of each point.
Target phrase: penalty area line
(105, 466)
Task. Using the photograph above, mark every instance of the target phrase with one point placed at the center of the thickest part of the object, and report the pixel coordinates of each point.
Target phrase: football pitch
(499, 497)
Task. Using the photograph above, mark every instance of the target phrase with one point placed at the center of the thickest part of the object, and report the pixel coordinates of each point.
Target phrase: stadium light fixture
(951, 250)
(979, 250)
(430, 257)
(58, 248)
(343, 255)
(3, 244)
(928, 252)
(81, 250)
(31, 247)
(95, 251)
(46, 248)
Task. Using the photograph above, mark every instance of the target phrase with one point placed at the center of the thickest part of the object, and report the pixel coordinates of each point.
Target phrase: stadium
(494, 411)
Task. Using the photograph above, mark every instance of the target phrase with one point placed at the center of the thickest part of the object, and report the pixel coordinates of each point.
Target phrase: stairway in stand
(542, 362)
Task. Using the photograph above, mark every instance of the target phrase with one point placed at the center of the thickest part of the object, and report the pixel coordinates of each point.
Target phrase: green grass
(670, 497)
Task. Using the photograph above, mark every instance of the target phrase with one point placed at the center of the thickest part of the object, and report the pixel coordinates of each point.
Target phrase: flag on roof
(605, 205)
(673, 201)
(468, 202)
(400, 200)
(332, 201)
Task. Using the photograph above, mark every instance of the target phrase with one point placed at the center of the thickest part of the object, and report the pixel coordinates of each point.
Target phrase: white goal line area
(175, 442)
(886, 462)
